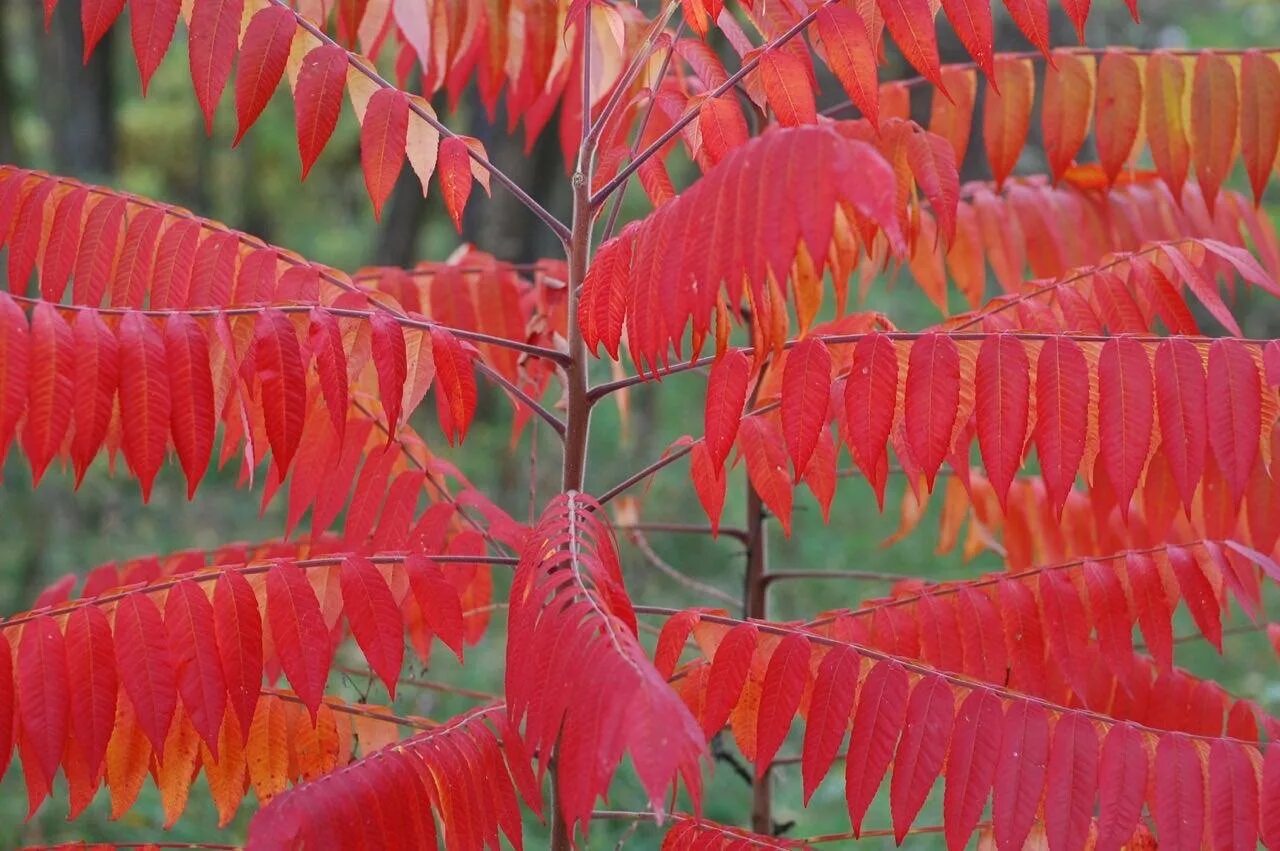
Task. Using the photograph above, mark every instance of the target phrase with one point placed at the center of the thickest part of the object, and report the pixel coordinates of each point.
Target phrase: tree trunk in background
(77, 101)
(8, 101)
(501, 225)
(402, 221)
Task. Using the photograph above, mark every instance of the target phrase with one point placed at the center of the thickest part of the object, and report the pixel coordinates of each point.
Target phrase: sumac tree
(1083, 421)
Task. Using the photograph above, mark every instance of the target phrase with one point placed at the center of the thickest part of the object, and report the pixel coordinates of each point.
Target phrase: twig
(637, 537)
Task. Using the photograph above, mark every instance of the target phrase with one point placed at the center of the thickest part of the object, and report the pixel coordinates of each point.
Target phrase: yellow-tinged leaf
(1165, 93)
(128, 759)
(315, 749)
(423, 142)
(177, 766)
(374, 733)
(226, 774)
(1215, 121)
(1259, 117)
(1067, 108)
(267, 750)
(1118, 110)
(1006, 115)
(952, 119)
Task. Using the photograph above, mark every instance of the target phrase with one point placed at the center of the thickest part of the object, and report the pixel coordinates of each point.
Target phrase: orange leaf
(1006, 115)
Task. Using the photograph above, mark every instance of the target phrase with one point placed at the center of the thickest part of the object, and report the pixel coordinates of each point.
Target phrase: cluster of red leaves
(984, 740)
(197, 645)
(576, 673)
(1086, 406)
(466, 777)
(1028, 532)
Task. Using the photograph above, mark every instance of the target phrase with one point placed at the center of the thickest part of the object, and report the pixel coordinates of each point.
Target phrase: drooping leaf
(806, 383)
(383, 135)
(318, 100)
(145, 661)
(264, 53)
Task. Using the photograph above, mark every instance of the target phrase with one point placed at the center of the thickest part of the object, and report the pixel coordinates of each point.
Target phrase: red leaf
(1178, 805)
(191, 398)
(726, 396)
(1122, 785)
(1002, 391)
(96, 17)
(133, 273)
(318, 100)
(1215, 113)
(729, 669)
(49, 387)
(870, 399)
(152, 24)
(298, 633)
(1024, 752)
(910, 22)
(97, 373)
(213, 39)
(438, 600)
(189, 622)
(762, 446)
(144, 403)
(27, 230)
(709, 482)
(1198, 594)
(1154, 607)
(374, 618)
(454, 167)
(671, 641)
(1166, 134)
(881, 712)
(784, 684)
(1235, 412)
(932, 398)
(1062, 408)
(64, 239)
(456, 381)
(1117, 110)
(850, 56)
(1072, 782)
(331, 367)
(1066, 110)
(787, 88)
(8, 706)
(971, 766)
(1181, 403)
(1270, 803)
(830, 708)
(278, 360)
(971, 19)
(1125, 414)
(1259, 118)
(383, 134)
(264, 52)
(1233, 796)
(603, 298)
(99, 246)
(175, 264)
(43, 692)
(1006, 115)
(389, 359)
(237, 628)
(15, 342)
(930, 714)
(145, 666)
(806, 389)
(1032, 17)
(1111, 614)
